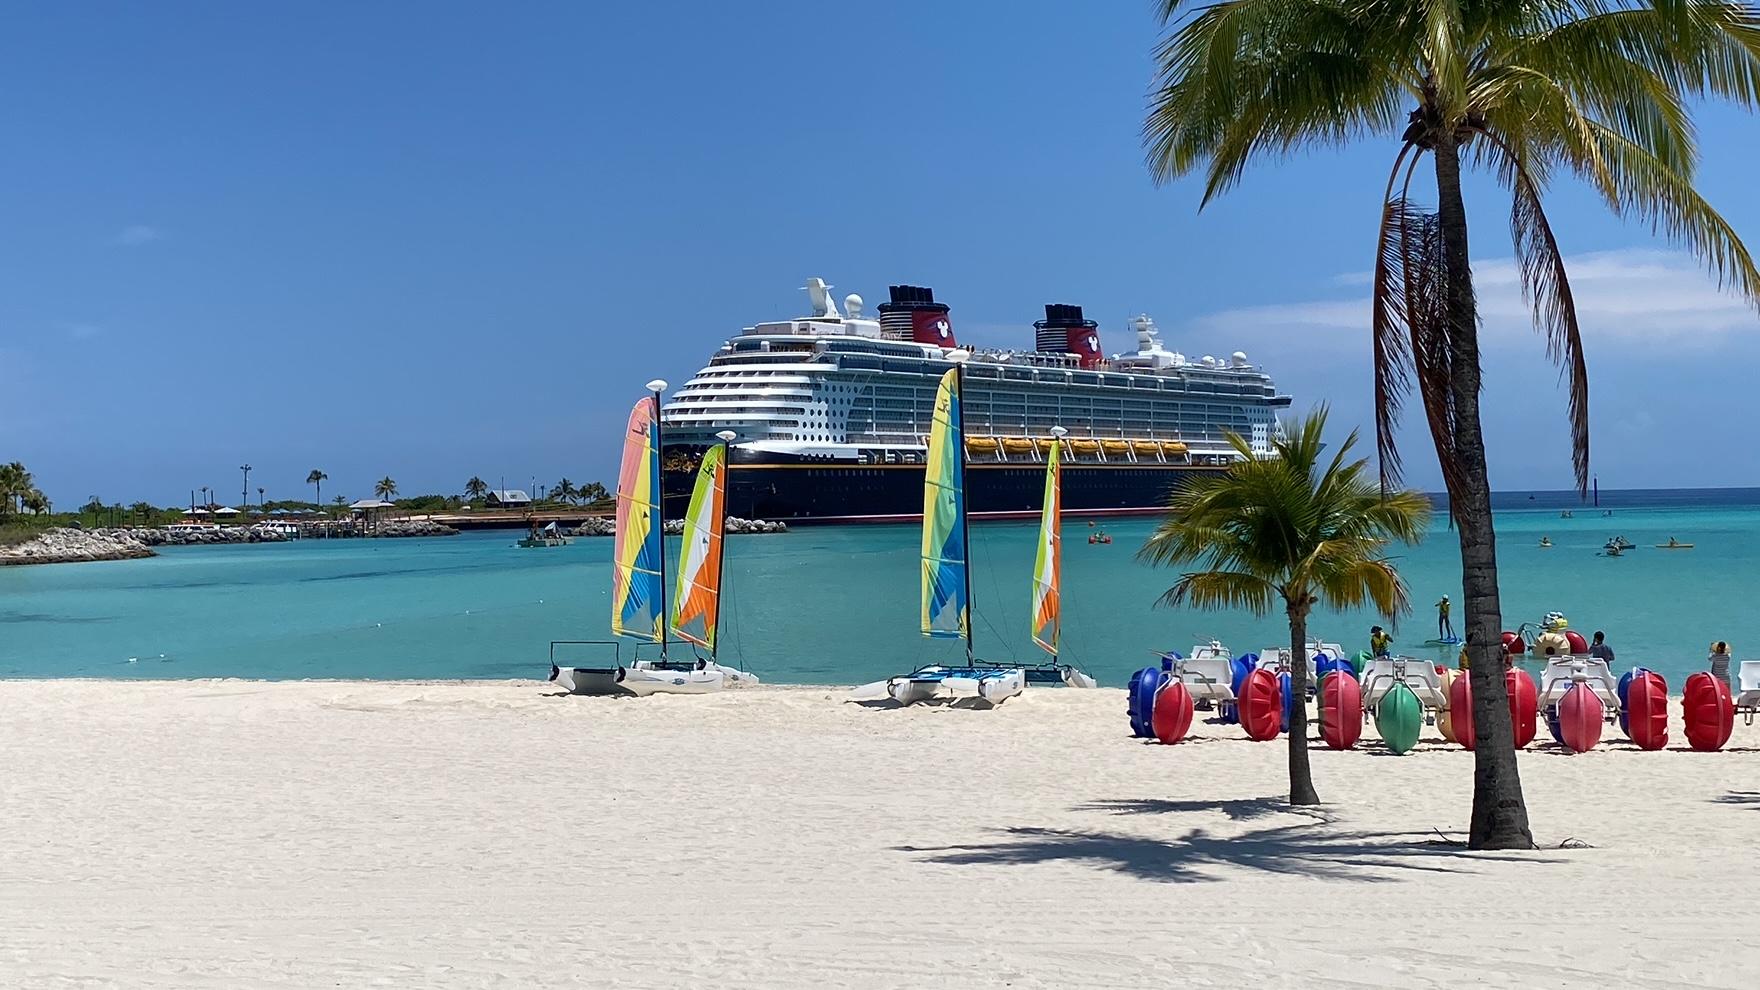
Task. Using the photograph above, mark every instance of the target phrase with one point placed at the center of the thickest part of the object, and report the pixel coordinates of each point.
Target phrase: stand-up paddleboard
(1444, 641)
(1398, 718)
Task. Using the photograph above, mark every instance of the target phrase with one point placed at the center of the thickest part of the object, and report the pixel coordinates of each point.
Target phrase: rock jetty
(66, 546)
(605, 526)
(412, 527)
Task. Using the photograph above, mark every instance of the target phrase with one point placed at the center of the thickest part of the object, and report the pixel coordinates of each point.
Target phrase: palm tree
(316, 479)
(35, 501)
(475, 488)
(15, 484)
(386, 489)
(564, 490)
(1598, 88)
(341, 502)
(1295, 529)
(593, 491)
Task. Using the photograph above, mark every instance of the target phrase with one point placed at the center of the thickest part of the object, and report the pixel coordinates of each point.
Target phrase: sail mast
(726, 438)
(657, 386)
(965, 515)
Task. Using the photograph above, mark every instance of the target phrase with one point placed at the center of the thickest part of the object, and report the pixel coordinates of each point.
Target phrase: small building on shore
(369, 511)
(508, 498)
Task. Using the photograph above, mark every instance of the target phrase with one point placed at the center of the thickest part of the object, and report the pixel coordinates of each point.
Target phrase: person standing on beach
(1600, 650)
(1444, 625)
(1719, 661)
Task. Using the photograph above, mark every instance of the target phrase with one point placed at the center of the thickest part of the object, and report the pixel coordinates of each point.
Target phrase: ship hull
(821, 492)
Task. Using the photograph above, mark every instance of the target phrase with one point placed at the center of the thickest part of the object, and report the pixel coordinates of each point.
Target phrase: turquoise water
(829, 604)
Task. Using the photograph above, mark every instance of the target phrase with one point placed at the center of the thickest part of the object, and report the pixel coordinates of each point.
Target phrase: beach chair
(1276, 658)
(1562, 672)
(1206, 678)
(1748, 687)
(1419, 676)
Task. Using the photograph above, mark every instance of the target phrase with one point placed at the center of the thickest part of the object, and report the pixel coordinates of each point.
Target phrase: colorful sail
(1048, 568)
(638, 595)
(944, 509)
(696, 605)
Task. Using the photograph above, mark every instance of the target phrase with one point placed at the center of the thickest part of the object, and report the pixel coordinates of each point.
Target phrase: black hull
(840, 493)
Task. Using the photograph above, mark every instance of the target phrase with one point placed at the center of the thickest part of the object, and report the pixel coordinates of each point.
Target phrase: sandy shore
(241, 834)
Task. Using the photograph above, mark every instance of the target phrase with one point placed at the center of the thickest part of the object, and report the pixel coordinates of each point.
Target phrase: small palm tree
(1295, 529)
(386, 488)
(35, 502)
(316, 479)
(15, 484)
(594, 491)
(564, 490)
(476, 488)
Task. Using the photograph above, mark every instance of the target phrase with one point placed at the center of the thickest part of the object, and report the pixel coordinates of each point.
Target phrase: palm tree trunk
(1301, 778)
(1500, 817)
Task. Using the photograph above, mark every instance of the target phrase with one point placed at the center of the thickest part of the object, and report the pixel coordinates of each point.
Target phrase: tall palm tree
(316, 479)
(476, 488)
(1525, 88)
(1292, 529)
(15, 484)
(564, 490)
(386, 488)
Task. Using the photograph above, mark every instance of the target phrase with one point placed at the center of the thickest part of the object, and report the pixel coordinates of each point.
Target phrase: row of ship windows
(978, 373)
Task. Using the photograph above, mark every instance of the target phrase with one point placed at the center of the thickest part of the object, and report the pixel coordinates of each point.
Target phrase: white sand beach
(235, 834)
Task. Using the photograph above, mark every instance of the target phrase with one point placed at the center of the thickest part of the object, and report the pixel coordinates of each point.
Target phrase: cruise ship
(830, 413)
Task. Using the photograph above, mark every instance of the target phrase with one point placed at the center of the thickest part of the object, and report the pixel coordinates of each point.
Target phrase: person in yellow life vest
(1379, 641)
(1444, 625)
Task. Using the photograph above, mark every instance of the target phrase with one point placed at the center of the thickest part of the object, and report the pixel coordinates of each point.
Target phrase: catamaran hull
(910, 690)
(997, 688)
(599, 681)
(642, 681)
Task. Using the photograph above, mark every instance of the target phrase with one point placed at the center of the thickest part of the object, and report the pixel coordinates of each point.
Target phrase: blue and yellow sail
(944, 508)
(638, 594)
(696, 605)
(1048, 567)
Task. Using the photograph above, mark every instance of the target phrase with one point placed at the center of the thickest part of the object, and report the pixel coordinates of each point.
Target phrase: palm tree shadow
(1741, 799)
(1239, 809)
(1307, 848)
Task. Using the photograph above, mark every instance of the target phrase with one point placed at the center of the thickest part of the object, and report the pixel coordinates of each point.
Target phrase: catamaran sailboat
(947, 578)
(638, 563)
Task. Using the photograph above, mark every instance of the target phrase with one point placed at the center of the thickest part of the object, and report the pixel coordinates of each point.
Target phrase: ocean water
(834, 605)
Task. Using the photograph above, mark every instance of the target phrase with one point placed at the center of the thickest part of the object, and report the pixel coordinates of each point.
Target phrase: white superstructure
(844, 387)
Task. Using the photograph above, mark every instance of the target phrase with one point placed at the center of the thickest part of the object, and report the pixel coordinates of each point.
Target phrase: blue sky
(449, 239)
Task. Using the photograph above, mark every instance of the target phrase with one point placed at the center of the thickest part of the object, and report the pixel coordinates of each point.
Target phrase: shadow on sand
(1740, 799)
(1307, 847)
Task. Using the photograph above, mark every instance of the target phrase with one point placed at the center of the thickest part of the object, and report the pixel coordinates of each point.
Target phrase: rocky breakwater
(196, 537)
(412, 527)
(67, 546)
(605, 526)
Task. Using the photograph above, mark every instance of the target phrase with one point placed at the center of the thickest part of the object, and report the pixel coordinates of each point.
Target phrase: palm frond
(1547, 287)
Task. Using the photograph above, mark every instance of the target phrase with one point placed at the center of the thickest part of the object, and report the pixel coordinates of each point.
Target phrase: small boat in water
(1674, 544)
(549, 536)
(947, 578)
